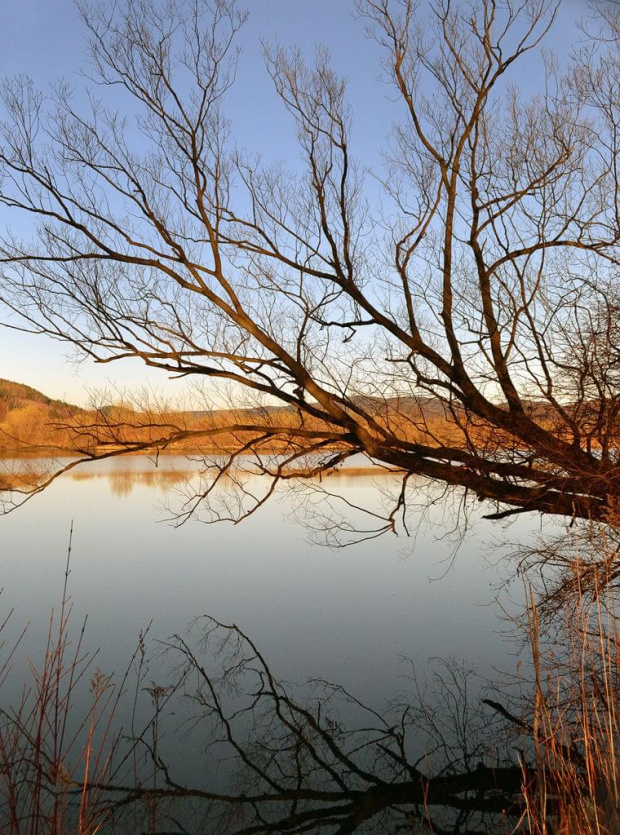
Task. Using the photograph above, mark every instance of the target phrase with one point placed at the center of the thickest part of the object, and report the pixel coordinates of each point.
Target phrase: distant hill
(419, 407)
(28, 417)
(17, 395)
(415, 407)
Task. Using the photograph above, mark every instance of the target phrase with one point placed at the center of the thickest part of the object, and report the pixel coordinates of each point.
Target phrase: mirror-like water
(347, 615)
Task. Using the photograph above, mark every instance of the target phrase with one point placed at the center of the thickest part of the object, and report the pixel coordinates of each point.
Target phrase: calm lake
(348, 615)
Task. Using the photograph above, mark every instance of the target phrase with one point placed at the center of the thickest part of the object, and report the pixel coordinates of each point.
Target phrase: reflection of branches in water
(339, 514)
(318, 759)
(324, 761)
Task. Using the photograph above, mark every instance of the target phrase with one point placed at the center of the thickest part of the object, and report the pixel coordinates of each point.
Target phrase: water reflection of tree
(321, 760)
(122, 482)
(446, 757)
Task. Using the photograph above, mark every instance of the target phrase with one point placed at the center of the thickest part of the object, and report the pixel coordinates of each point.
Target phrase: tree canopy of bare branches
(464, 330)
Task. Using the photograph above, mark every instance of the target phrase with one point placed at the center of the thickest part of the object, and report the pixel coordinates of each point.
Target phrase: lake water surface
(351, 612)
(347, 615)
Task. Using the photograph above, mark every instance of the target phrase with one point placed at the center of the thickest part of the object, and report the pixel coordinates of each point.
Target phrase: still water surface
(348, 614)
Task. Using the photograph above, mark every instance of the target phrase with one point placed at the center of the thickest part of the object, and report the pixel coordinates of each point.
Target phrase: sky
(45, 40)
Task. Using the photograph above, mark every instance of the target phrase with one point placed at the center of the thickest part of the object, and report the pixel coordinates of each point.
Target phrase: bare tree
(467, 335)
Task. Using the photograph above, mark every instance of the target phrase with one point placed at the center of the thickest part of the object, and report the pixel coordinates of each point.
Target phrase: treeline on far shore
(33, 424)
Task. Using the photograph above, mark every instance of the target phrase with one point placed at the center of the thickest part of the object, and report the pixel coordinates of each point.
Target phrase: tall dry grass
(60, 745)
(573, 785)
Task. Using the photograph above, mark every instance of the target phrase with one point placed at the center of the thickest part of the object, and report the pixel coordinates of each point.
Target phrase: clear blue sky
(45, 40)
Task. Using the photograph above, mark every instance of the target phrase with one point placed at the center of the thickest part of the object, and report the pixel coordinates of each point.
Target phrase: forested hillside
(30, 418)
